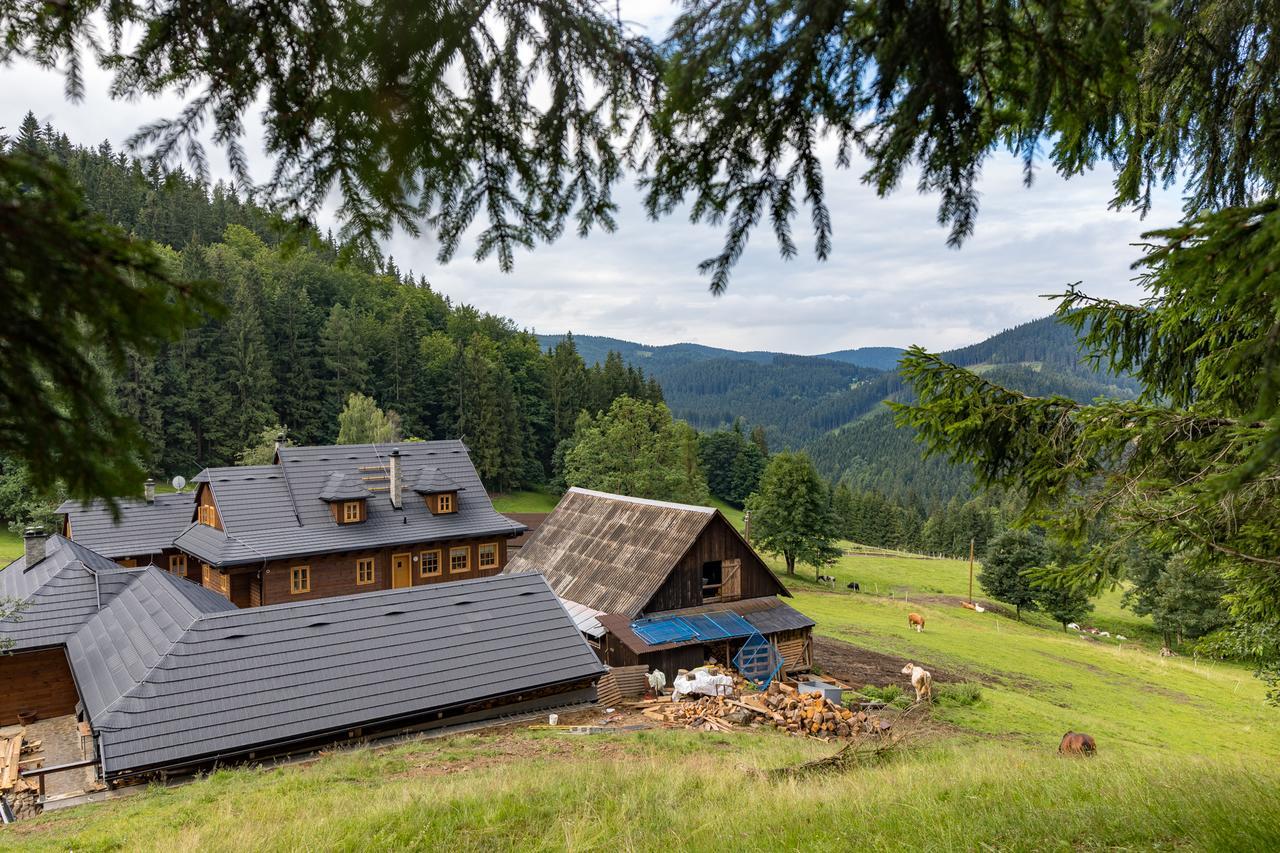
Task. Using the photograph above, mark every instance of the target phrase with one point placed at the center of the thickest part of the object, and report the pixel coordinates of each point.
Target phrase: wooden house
(620, 564)
(318, 522)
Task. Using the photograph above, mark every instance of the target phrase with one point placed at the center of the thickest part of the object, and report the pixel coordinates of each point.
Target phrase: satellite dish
(178, 482)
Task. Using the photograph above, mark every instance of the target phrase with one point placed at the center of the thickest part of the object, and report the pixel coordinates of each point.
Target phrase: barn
(662, 584)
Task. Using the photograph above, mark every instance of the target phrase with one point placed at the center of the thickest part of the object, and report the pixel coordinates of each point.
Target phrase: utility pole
(971, 571)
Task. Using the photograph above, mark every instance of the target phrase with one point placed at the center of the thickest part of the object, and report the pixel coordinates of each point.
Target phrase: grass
(525, 501)
(10, 545)
(696, 791)
(1187, 759)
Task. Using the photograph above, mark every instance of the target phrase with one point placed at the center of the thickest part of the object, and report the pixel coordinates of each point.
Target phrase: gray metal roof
(272, 511)
(143, 528)
(610, 552)
(60, 592)
(433, 481)
(167, 684)
(342, 486)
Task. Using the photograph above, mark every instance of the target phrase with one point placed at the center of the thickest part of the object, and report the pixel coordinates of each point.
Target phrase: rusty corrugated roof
(610, 552)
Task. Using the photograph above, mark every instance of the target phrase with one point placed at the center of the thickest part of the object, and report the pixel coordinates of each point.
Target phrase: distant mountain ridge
(833, 404)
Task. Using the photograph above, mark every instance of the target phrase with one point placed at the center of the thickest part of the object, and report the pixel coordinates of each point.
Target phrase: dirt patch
(859, 667)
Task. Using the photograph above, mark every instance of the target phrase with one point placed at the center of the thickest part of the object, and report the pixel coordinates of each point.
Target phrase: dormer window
(438, 491)
(347, 497)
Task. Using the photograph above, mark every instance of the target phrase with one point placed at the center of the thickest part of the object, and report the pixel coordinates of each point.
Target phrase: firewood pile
(780, 707)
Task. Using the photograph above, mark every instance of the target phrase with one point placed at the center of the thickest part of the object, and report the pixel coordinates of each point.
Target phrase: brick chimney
(396, 479)
(149, 490)
(33, 540)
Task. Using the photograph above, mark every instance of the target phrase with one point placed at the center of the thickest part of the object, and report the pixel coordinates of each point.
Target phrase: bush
(961, 695)
(890, 695)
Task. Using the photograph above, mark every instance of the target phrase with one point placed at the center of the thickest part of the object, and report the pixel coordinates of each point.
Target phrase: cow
(915, 620)
(828, 580)
(853, 585)
(921, 680)
(1077, 743)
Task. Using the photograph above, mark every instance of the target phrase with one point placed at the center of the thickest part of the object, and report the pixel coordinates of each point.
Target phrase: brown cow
(1077, 743)
(915, 620)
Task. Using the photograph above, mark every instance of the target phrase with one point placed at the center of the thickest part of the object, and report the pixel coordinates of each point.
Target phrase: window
(444, 503)
(487, 555)
(351, 511)
(215, 580)
(178, 564)
(364, 571)
(299, 579)
(459, 560)
(208, 515)
(430, 564)
(712, 578)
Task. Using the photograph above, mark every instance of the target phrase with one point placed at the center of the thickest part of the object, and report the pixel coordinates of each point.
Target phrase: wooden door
(401, 570)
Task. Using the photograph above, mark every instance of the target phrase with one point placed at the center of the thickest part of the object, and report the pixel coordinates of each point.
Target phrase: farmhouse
(169, 676)
(662, 584)
(318, 522)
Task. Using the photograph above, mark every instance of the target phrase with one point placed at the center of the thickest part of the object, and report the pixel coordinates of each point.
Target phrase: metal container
(828, 690)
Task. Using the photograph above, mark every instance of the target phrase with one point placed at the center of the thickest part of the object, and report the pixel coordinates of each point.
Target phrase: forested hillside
(308, 322)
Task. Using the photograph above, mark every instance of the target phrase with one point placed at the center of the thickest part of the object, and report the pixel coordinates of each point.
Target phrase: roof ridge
(706, 510)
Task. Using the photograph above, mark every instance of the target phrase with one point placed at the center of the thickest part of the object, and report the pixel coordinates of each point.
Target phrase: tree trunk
(791, 563)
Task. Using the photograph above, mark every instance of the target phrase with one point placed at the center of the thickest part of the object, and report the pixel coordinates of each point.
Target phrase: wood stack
(17, 754)
(780, 707)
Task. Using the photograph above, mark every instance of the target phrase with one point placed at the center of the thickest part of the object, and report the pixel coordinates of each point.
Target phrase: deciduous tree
(791, 514)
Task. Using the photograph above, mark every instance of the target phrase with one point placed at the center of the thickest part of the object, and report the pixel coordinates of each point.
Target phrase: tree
(263, 449)
(10, 611)
(1183, 601)
(1006, 566)
(362, 422)
(635, 448)
(790, 514)
(1065, 604)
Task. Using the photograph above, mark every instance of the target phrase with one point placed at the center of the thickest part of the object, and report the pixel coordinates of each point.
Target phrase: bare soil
(859, 667)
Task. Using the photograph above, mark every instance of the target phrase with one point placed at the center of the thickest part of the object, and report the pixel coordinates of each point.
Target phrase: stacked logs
(781, 707)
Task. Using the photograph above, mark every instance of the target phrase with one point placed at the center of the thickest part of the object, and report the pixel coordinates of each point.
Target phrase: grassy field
(1189, 758)
(10, 545)
(525, 501)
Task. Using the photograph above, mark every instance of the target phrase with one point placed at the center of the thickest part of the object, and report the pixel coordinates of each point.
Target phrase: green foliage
(1064, 604)
(960, 694)
(1184, 600)
(1006, 565)
(636, 449)
(362, 422)
(733, 463)
(791, 514)
(263, 449)
(10, 611)
(82, 300)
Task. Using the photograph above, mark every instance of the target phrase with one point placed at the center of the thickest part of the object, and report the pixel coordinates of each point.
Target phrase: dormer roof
(344, 486)
(433, 481)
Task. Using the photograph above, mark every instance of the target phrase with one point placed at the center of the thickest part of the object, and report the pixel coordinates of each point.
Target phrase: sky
(890, 280)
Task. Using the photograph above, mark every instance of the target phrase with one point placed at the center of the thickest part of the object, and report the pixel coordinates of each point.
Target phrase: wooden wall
(335, 574)
(37, 681)
(718, 541)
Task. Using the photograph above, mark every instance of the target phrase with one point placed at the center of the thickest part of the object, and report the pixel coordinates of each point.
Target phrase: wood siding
(335, 574)
(718, 541)
(37, 681)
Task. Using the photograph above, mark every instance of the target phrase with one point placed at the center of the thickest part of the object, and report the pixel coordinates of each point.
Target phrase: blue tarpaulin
(721, 625)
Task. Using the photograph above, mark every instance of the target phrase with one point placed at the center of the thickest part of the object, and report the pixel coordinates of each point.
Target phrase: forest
(309, 321)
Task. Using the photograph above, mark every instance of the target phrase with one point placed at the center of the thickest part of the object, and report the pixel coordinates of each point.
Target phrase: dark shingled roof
(168, 683)
(60, 592)
(143, 528)
(611, 552)
(433, 481)
(272, 511)
(342, 486)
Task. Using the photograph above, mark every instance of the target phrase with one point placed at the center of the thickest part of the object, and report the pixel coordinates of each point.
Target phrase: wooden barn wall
(718, 541)
(335, 574)
(37, 681)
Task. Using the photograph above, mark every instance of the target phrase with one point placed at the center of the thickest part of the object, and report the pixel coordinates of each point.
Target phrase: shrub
(961, 694)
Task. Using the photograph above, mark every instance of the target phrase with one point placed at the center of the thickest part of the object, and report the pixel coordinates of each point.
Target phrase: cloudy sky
(891, 280)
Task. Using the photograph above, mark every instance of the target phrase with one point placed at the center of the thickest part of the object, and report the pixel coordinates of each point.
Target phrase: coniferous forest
(310, 320)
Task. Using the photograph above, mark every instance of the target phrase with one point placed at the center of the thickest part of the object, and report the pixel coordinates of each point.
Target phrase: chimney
(33, 539)
(279, 441)
(395, 479)
(149, 490)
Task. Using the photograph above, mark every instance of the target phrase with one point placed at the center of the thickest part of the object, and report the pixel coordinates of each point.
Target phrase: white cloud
(891, 280)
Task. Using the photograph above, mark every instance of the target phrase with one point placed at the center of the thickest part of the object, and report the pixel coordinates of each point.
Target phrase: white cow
(921, 680)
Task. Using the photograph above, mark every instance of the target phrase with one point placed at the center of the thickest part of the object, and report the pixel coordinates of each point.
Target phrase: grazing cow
(853, 585)
(921, 680)
(1077, 743)
(915, 620)
(968, 605)
(828, 580)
